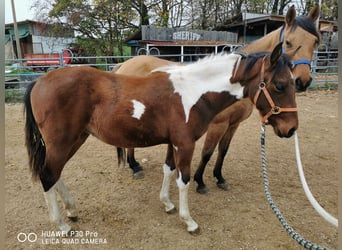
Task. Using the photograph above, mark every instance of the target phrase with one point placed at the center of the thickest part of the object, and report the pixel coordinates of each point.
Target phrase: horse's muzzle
(302, 86)
(288, 135)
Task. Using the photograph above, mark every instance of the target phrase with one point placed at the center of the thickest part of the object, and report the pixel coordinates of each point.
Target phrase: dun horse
(173, 106)
(299, 37)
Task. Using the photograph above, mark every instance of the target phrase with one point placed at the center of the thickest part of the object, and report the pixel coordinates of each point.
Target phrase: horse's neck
(266, 43)
(211, 74)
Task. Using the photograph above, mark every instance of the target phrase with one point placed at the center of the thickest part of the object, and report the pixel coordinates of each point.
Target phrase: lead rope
(294, 235)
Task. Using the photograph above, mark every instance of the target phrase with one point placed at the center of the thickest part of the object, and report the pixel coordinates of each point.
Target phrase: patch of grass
(324, 86)
(14, 95)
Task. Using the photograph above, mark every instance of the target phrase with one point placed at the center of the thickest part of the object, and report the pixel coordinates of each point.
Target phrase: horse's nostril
(291, 132)
(301, 86)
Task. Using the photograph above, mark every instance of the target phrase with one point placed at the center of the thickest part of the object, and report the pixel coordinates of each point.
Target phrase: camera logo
(30, 237)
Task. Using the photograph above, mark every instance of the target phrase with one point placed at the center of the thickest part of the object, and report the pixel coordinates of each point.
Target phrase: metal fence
(18, 75)
(325, 67)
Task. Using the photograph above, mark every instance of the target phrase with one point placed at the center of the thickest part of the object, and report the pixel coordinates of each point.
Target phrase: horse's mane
(252, 58)
(307, 24)
(219, 57)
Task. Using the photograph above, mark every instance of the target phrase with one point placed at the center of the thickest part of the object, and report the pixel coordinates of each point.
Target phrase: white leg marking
(164, 192)
(55, 216)
(68, 200)
(184, 212)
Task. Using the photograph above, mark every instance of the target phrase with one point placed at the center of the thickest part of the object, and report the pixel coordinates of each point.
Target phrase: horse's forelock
(283, 60)
(307, 24)
(251, 59)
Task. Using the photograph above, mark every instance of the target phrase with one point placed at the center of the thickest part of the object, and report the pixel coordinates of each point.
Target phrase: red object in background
(47, 59)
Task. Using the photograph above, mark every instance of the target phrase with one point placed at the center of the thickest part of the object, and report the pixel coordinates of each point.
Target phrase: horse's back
(142, 65)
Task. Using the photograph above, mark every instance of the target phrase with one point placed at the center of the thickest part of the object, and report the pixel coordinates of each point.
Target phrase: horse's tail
(121, 155)
(33, 138)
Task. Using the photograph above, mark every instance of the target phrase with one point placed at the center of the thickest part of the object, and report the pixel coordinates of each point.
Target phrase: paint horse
(173, 106)
(299, 37)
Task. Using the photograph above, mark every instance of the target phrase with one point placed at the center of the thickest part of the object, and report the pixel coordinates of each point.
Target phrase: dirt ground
(118, 212)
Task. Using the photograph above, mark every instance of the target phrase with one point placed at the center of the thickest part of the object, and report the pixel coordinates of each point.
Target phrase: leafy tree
(103, 25)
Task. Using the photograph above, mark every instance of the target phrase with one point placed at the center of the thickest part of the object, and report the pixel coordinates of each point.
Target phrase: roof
(187, 43)
(252, 19)
(23, 30)
(30, 27)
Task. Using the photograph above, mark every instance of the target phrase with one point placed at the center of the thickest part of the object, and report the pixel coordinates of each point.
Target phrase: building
(251, 26)
(36, 38)
(180, 44)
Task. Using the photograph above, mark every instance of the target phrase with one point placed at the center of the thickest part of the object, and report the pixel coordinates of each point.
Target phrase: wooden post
(17, 39)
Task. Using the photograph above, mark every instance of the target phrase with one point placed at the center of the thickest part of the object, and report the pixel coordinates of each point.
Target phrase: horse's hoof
(138, 175)
(73, 218)
(171, 211)
(195, 232)
(202, 190)
(71, 233)
(223, 185)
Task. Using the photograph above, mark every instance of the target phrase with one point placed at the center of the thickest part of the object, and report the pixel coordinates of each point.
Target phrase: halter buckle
(262, 85)
(275, 110)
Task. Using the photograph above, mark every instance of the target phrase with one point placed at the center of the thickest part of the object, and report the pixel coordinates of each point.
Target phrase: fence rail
(18, 75)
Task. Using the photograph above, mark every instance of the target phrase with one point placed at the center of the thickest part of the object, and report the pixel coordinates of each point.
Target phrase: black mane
(252, 58)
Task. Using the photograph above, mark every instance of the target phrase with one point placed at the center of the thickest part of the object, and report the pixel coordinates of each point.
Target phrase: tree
(101, 25)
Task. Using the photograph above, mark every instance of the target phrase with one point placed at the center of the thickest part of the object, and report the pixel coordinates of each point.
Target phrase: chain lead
(294, 235)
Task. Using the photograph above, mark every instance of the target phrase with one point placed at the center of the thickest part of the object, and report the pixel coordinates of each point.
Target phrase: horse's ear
(276, 54)
(290, 15)
(314, 13)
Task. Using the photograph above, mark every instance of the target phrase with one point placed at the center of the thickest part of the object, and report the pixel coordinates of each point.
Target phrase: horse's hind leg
(55, 216)
(169, 170)
(68, 200)
(50, 178)
(134, 165)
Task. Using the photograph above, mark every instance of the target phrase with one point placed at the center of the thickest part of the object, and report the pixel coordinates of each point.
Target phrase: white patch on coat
(138, 109)
(211, 74)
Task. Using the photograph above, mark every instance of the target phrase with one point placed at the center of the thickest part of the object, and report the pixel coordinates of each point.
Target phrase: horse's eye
(288, 44)
(279, 87)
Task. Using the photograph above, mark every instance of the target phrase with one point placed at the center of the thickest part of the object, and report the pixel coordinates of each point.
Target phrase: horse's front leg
(183, 156)
(222, 152)
(214, 134)
(169, 170)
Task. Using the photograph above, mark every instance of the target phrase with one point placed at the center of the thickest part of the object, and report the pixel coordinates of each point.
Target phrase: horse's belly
(129, 133)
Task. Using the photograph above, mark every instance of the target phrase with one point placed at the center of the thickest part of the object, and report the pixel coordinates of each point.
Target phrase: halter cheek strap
(275, 110)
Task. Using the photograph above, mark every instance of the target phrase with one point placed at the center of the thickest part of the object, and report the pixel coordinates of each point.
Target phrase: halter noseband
(299, 61)
(275, 110)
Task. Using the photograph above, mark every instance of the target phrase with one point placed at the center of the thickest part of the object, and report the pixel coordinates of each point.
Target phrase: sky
(22, 9)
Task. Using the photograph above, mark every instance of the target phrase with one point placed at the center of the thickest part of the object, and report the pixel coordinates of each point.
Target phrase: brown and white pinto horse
(299, 37)
(172, 106)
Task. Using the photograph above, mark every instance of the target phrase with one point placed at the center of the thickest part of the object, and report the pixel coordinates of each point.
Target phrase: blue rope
(294, 235)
